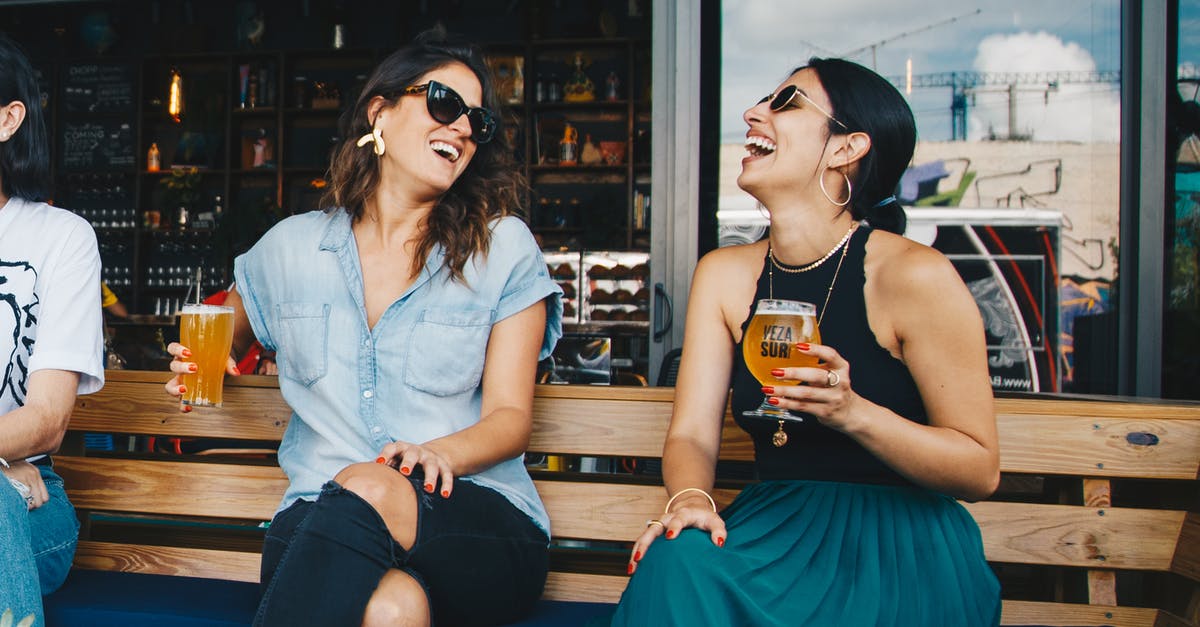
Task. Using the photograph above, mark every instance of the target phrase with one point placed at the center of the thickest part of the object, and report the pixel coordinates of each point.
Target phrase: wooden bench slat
(1187, 557)
(1069, 535)
(1075, 615)
(171, 488)
(167, 560)
(584, 587)
(613, 428)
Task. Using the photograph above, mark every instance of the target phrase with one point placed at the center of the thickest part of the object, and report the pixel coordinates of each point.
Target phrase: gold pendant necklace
(780, 437)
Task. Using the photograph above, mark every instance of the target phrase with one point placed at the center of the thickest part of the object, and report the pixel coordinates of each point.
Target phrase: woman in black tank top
(854, 520)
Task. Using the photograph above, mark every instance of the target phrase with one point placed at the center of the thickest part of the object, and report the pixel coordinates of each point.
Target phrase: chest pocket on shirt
(303, 337)
(445, 350)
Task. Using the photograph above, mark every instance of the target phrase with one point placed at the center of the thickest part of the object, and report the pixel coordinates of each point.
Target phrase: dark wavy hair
(25, 157)
(490, 186)
(866, 102)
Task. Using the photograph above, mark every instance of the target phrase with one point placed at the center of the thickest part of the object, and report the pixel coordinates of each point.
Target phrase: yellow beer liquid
(206, 330)
(770, 343)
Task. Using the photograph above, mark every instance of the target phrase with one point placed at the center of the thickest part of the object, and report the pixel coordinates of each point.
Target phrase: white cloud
(1085, 112)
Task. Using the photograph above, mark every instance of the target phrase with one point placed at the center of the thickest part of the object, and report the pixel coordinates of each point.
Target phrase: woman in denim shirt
(408, 320)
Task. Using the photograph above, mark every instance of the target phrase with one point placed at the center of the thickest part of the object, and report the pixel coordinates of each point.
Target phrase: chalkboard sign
(99, 88)
(97, 144)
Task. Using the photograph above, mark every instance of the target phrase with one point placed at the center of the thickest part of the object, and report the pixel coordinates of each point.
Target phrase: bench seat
(173, 538)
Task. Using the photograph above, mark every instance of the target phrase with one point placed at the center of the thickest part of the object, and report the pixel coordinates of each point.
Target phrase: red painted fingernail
(193, 367)
(380, 460)
(187, 408)
(186, 353)
(767, 389)
(720, 541)
(670, 534)
(445, 494)
(637, 557)
(777, 372)
(237, 371)
(629, 569)
(773, 401)
(429, 488)
(182, 389)
(803, 346)
(404, 470)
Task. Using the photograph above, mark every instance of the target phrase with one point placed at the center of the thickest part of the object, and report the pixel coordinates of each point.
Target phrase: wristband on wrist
(671, 501)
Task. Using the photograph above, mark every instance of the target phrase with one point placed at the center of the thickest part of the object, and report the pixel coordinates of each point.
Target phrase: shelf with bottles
(615, 287)
(324, 82)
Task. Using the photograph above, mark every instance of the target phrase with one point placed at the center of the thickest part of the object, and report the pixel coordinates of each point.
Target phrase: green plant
(181, 188)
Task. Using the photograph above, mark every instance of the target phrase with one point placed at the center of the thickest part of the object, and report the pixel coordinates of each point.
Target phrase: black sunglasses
(789, 93)
(446, 106)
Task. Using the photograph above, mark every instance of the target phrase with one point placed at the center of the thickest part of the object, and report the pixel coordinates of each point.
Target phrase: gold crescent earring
(374, 137)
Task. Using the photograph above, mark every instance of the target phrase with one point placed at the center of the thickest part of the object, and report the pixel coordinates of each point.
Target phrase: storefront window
(1017, 169)
(1181, 362)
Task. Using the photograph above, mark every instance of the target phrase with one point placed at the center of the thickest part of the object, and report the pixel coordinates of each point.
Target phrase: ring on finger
(832, 378)
(655, 522)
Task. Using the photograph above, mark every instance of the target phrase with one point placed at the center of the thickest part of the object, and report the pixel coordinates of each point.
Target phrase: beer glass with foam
(770, 342)
(207, 331)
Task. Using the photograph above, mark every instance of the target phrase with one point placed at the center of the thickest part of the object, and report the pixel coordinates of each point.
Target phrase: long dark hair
(865, 102)
(490, 186)
(25, 157)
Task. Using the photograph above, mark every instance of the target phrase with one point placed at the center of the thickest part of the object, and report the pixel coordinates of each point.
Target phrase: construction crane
(964, 84)
(873, 47)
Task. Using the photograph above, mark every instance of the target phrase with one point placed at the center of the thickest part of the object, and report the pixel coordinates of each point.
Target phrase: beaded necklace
(841, 245)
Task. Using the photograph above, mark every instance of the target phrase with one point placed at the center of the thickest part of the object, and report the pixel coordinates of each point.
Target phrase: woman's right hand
(180, 366)
(692, 511)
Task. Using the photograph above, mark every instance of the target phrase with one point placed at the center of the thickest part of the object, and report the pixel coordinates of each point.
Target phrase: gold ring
(655, 522)
(832, 378)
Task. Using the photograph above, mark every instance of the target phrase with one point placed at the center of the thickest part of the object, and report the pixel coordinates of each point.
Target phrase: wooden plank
(1099, 446)
(1102, 407)
(144, 408)
(1069, 535)
(562, 586)
(1187, 549)
(172, 488)
(600, 427)
(605, 511)
(1075, 615)
(1102, 584)
(166, 560)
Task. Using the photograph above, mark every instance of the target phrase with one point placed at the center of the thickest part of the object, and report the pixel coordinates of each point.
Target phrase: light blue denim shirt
(415, 377)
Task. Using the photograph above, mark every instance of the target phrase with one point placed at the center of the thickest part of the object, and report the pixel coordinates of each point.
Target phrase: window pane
(1181, 363)
(1016, 172)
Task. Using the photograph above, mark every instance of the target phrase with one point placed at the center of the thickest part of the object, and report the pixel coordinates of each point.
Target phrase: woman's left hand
(405, 457)
(823, 392)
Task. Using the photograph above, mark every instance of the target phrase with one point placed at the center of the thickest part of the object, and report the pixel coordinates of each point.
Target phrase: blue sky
(764, 39)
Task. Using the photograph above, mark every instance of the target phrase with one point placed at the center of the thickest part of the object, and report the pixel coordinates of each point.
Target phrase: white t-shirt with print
(50, 315)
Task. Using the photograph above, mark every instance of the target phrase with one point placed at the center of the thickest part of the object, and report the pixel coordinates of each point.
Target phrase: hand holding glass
(207, 331)
(770, 343)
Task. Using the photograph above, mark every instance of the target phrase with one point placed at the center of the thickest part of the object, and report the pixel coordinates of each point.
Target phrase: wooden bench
(1064, 531)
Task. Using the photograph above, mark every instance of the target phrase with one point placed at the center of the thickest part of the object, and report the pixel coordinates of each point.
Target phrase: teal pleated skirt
(821, 553)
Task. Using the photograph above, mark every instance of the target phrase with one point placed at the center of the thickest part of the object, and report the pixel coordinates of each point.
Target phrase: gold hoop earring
(849, 190)
(374, 137)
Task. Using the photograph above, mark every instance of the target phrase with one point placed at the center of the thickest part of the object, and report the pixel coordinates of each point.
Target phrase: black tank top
(814, 451)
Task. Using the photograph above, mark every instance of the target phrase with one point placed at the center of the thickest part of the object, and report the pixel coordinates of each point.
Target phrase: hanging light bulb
(175, 96)
(908, 76)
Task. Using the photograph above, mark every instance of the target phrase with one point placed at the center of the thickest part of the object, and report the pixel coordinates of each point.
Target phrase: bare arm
(940, 338)
(39, 426)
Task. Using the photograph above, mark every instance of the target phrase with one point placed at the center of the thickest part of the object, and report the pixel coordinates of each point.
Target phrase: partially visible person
(854, 521)
(408, 320)
(110, 303)
(51, 345)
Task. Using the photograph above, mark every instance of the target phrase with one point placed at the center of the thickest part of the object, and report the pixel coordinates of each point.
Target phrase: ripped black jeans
(480, 559)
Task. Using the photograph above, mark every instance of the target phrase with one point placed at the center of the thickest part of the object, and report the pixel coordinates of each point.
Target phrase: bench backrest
(1091, 441)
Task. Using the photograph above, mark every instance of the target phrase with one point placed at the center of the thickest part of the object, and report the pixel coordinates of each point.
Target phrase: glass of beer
(206, 330)
(770, 342)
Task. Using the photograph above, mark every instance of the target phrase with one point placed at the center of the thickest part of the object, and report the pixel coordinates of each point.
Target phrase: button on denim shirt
(415, 377)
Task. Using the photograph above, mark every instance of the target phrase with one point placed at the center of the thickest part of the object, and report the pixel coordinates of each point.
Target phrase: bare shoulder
(725, 282)
(903, 267)
(731, 263)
